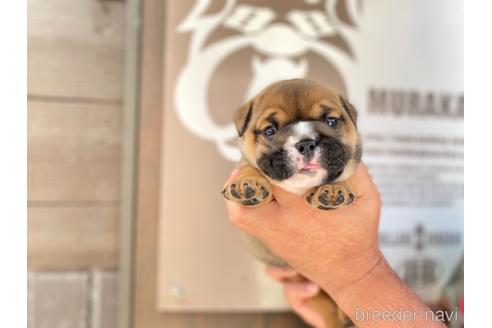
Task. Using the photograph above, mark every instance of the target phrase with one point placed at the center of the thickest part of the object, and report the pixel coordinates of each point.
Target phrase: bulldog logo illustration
(267, 41)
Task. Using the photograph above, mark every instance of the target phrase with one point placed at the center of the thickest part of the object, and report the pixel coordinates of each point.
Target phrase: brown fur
(284, 103)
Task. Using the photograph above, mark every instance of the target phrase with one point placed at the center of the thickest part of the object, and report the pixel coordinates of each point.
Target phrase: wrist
(354, 270)
(380, 291)
(377, 270)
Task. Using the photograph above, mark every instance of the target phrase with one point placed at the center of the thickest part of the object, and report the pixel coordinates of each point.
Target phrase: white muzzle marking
(300, 182)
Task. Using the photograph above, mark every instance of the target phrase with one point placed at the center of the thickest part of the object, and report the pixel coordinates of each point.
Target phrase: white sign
(401, 63)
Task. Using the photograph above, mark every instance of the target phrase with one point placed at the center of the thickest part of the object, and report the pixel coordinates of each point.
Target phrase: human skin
(337, 250)
(297, 293)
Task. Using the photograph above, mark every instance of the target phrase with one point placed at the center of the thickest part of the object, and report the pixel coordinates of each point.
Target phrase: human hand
(297, 293)
(333, 248)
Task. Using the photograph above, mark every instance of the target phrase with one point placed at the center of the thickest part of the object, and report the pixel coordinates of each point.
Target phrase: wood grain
(74, 153)
(76, 48)
(72, 238)
(75, 71)
(145, 267)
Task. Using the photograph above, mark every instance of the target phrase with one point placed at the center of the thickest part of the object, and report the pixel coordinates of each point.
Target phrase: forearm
(381, 299)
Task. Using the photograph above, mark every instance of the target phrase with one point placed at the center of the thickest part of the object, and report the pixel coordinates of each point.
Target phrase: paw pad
(340, 198)
(330, 197)
(234, 192)
(323, 198)
(250, 191)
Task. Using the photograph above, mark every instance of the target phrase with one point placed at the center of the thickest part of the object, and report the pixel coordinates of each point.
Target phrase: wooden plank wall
(75, 78)
(75, 85)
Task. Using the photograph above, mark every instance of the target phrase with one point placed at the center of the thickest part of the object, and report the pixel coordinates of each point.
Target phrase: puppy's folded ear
(351, 111)
(242, 117)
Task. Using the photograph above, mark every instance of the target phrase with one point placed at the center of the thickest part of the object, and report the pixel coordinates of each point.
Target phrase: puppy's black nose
(306, 147)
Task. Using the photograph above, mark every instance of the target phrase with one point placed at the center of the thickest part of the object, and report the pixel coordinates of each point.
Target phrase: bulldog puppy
(302, 137)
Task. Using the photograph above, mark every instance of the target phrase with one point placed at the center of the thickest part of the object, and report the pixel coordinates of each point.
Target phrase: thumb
(286, 198)
(257, 220)
(231, 177)
(250, 219)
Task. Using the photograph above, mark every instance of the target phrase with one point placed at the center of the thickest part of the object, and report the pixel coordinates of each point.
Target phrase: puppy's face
(300, 134)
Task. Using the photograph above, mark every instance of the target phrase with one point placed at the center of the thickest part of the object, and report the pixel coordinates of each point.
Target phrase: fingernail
(312, 288)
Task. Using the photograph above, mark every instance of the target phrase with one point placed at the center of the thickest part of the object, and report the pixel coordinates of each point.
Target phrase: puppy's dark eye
(269, 131)
(331, 121)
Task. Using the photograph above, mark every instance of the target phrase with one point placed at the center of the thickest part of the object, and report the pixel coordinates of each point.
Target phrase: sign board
(399, 62)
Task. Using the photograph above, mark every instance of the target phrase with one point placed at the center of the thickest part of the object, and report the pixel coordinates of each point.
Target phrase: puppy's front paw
(330, 196)
(248, 191)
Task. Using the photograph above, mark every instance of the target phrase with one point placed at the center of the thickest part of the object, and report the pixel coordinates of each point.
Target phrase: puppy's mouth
(324, 165)
(309, 167)
(304, 156)
(305, 164)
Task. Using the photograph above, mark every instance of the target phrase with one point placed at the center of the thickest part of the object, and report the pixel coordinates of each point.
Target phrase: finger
(231, 177)
(255, 220)
(309, 314)
(281, 273)
(286, 198)
(298, 299)
(301, 290)
(362, 183)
